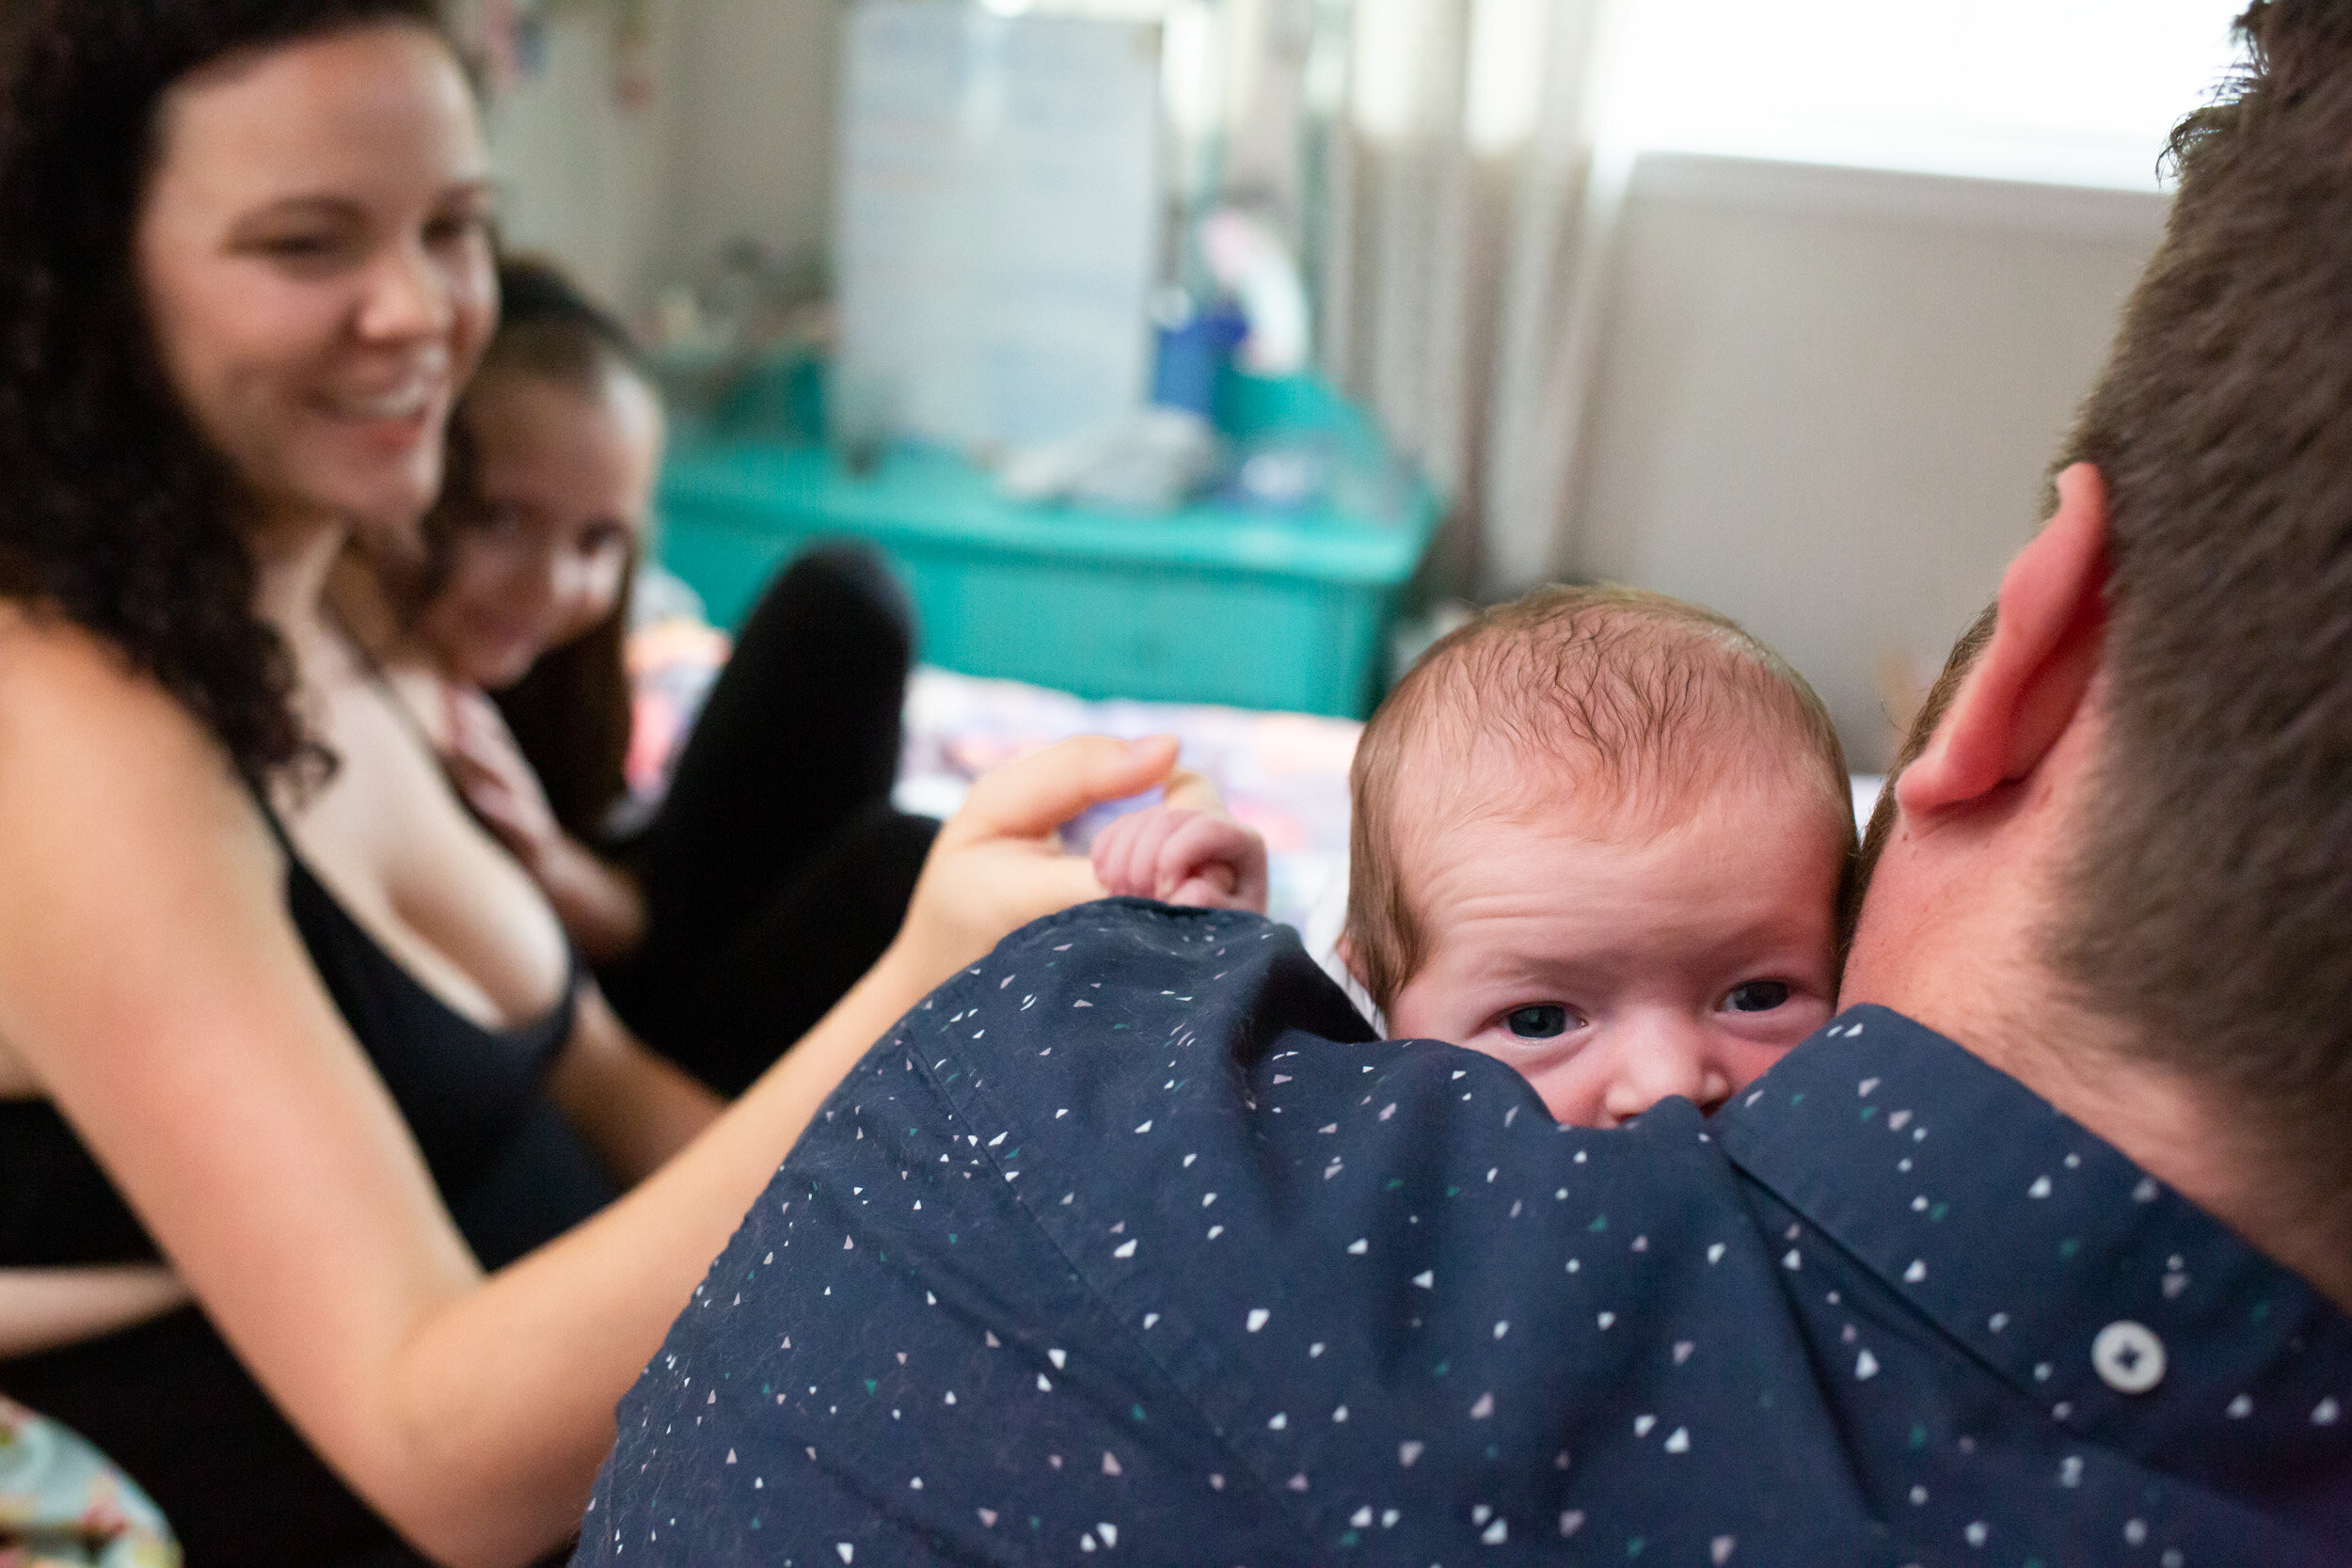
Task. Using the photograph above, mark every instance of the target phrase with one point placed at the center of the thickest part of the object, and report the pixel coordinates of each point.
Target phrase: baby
(1599, 835)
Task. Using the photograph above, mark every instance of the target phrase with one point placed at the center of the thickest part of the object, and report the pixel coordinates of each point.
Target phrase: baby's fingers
(1144, 854)
(1212, 890)
(1212, 862)
(1114, 859)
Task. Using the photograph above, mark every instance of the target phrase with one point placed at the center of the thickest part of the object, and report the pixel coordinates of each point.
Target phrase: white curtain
(1463, 220)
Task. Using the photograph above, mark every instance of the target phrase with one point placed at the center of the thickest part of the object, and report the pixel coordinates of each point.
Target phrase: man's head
(2147, 755)
(1603, 836)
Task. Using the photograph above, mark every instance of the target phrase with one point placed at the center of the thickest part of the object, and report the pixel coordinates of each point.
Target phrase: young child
(1599, 835)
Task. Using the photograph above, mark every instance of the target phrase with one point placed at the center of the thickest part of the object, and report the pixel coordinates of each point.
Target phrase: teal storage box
(1210, 603)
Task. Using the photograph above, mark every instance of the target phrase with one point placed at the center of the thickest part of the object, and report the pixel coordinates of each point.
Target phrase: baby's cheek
(1745, 1061)
(1569, 1092)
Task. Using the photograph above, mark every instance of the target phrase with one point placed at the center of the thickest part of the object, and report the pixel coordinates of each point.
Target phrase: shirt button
(2129, 1357)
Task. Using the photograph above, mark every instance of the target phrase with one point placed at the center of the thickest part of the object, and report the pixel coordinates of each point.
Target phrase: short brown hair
(1932, 708)
(2206, 906)
(1633, 693)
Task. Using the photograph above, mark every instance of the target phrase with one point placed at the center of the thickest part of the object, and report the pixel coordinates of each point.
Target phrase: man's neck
(1952, 935)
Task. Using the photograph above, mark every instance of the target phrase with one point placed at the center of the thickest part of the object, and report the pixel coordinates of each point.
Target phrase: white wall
(753, 157)
(1829, 399)
(580, 176)
(736, 142)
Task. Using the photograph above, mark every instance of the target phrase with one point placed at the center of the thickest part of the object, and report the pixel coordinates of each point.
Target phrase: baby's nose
(1660, 1062)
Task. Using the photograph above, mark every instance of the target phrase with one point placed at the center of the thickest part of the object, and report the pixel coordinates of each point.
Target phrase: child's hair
(550, 330)
(570, 714)
(1639, 699)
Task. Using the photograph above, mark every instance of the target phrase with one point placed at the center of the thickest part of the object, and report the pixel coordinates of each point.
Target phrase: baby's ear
(1344, 950)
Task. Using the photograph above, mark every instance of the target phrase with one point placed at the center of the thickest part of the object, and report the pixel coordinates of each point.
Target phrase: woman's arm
(532, 1363)
(152, 981)
(43, 1309)
(635, 1108)
(599, 905)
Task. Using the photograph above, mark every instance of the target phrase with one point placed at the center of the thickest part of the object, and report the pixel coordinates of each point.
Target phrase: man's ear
(2034, 673)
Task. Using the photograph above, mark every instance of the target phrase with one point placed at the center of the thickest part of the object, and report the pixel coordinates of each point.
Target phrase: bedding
(1284, 774)
(64, 1505)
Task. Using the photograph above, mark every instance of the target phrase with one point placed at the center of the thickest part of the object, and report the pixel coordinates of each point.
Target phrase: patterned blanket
(63, 1506)
(1284, 774)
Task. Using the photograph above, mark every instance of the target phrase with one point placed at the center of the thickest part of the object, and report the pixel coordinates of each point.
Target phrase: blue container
(1192, 356)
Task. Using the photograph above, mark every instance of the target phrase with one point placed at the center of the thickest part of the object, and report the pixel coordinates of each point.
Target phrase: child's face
(1614, 968)
(565, 484)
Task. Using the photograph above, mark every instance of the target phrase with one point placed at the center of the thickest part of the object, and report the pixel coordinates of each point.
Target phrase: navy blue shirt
(1133, 1242)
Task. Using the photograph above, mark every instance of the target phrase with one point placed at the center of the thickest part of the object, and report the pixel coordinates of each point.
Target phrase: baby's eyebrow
(1524, 972)
(1764, 944)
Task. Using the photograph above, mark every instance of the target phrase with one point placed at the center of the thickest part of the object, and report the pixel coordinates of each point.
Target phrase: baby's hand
(1201, 857)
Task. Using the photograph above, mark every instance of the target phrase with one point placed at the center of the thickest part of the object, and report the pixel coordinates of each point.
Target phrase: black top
(166, 1399)
(466, 1093)
(1131, 1245)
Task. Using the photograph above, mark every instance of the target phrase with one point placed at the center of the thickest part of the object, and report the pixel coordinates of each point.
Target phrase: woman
(775, 870)
(272, 1006)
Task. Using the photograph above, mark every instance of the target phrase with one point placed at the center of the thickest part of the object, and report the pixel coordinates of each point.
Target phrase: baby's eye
(1758, 996)
(1538, 1023)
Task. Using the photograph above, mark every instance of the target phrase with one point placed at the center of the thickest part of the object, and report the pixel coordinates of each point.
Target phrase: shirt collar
(2024, 1237)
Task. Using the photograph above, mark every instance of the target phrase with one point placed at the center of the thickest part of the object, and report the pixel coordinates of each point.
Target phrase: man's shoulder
(1120, 948)
(1173, 1265)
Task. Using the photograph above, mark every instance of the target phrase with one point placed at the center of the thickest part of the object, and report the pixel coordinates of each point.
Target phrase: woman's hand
(998, 863)
(497, 782)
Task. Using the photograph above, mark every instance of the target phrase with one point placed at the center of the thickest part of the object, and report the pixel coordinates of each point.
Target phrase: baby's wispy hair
(1636, 702)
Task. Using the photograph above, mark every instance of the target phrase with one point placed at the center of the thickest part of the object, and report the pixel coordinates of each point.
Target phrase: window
(2064, 91)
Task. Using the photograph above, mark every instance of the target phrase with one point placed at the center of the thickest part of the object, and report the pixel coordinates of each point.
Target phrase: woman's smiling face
(312, 249)
(1615, 967)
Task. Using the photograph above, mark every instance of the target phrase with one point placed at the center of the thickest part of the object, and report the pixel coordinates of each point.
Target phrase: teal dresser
(1215, 603)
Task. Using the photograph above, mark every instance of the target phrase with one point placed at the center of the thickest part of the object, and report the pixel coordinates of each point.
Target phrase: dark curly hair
(114, 514)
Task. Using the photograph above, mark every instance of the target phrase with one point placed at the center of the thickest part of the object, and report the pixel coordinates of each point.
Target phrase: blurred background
(1779, 305)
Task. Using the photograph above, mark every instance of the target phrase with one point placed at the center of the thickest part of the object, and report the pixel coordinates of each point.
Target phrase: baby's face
(1615, 967)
